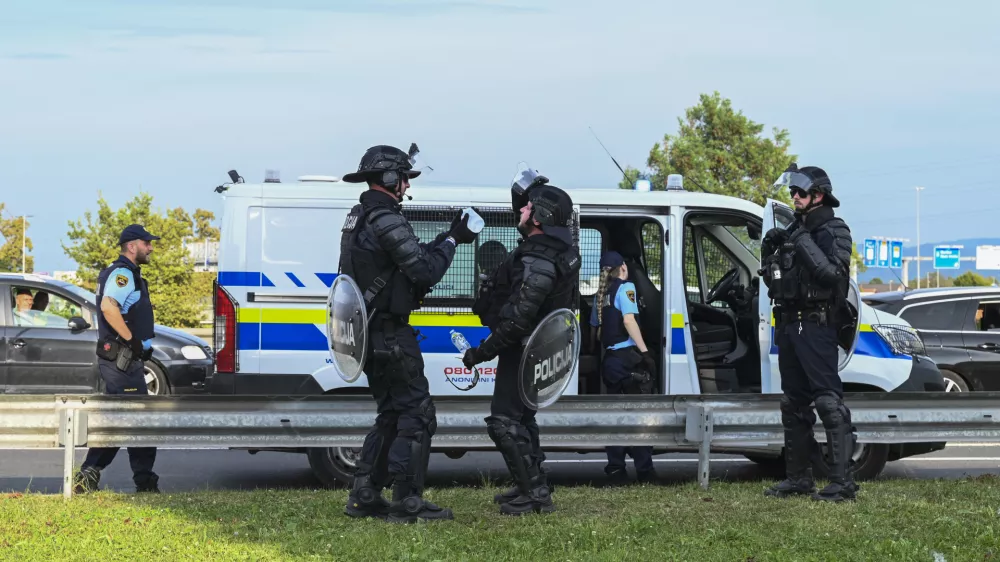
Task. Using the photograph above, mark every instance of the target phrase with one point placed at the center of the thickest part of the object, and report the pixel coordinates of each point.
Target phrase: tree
(877, 281)
(722, 151)
(170, 273)
(203, 228)
(12, 231)
(972, 279)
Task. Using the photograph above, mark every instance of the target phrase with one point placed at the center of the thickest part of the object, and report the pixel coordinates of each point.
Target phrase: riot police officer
(380, 251)
(538, 277)
(125, 331)
(806, 268)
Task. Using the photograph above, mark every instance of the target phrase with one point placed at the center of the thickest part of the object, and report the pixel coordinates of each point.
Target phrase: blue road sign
(869, 255)
(896, 253)
(946, 257)
(883, 253)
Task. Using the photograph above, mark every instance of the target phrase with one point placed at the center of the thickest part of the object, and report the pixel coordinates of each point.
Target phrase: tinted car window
(936, 316)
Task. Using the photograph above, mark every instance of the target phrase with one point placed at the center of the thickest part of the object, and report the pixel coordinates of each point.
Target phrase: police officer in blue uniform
(125, 330)
(628, 367)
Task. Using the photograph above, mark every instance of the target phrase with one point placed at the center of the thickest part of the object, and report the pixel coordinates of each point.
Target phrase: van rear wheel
(334, 466)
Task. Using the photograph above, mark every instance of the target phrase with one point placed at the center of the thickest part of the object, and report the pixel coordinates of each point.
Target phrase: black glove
(135, 344)
(471, 358)
(460, 230)
(648, 362)
(776, 236)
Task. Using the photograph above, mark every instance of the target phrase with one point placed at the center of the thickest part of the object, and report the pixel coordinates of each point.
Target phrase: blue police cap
(612, 259)
(136, 232)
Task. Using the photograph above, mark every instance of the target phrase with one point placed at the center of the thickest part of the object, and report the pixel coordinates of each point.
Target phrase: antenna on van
(901, 282)
(628, 181)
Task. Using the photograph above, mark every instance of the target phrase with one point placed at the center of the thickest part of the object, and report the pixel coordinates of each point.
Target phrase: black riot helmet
(523, 181)
(385, 165)
(551, 207)
(809, 179)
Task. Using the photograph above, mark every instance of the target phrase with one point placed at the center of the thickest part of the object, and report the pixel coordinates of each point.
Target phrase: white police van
(693, 257)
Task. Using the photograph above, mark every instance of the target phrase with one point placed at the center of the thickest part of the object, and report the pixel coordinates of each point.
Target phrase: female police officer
(628, 367)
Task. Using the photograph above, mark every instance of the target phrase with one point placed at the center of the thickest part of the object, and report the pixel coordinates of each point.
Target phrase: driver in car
(628, 366)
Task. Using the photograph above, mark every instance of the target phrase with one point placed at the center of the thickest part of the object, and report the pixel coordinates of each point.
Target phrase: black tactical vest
(506, 278)
(139, 317)
(376, 274)
(612, 320)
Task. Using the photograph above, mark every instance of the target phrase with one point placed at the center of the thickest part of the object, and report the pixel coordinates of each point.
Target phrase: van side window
(652, 252)
(460, 284)
(714, 261)
(590, 257)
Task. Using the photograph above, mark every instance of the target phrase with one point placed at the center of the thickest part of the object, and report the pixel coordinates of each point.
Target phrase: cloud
(177, 32)
(294, 51)
(407, 8)
(37, 56)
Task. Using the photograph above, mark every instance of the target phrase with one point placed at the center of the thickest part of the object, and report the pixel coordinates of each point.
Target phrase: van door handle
(18, 343)
(988, 345)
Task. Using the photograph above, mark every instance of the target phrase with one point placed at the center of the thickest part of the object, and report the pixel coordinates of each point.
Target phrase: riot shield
(850, 327)
(550, 357)
(347, 328)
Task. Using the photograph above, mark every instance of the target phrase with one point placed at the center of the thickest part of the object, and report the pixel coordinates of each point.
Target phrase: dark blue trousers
(617, 373)
(132, 381)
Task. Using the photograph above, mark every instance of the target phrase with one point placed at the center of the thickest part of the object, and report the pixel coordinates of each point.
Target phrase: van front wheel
(334, 466)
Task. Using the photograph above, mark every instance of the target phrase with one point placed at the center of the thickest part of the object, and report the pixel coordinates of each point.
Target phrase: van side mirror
(78, 324)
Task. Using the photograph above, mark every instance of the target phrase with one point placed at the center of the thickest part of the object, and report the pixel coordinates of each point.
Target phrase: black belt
(819, 314)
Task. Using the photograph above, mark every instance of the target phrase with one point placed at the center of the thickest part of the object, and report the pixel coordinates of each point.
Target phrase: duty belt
(818, 315)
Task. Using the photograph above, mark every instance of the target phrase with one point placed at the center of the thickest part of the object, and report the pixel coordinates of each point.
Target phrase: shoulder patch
(121, 280)
(630, 295)
(351, 222)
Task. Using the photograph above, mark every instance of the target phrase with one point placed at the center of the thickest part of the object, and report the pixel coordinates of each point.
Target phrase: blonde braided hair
(607, 274)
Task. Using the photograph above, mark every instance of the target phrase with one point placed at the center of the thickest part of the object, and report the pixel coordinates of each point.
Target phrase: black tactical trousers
(404, 405)
(807, 359)
(507, 401)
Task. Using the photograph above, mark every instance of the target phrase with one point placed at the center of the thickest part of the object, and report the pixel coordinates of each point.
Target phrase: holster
(387, 354)
(818, 314)
(640, 381)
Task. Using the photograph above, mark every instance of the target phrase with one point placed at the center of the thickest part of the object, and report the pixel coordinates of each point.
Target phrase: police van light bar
(642, 185)
(675, 182)
(271, 176)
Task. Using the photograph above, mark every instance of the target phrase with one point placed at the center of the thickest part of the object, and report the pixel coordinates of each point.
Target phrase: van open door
(776, 215)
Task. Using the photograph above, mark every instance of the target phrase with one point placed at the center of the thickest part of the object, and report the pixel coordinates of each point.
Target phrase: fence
(582, 422)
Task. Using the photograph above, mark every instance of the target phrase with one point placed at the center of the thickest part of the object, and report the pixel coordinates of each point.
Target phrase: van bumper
(924, 377)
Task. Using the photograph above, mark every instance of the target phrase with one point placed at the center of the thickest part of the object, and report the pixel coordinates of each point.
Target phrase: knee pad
(428, 414)
(795, 410)
(832, 410)
(499, 428)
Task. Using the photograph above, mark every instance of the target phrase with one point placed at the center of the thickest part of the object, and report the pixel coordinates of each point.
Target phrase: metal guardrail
(697, 422)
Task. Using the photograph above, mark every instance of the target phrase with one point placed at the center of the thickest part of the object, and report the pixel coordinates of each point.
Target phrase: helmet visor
(794, 181)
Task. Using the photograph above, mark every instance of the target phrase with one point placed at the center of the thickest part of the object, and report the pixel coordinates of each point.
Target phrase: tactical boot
(840, 444)
(513, 492)
(538, 499)
(148, 486)
(87, 480)
(408, 507)
(617, 477)
(365, 499)
(647, 477)
(799, 445)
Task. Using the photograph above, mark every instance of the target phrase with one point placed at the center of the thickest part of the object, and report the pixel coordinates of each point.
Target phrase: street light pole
(919, 189)
(24, 237)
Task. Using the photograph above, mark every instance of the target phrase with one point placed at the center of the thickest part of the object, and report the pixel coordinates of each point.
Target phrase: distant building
(204, 255)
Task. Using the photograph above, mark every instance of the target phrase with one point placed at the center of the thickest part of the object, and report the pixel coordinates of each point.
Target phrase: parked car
(960, 327)
(48, 339)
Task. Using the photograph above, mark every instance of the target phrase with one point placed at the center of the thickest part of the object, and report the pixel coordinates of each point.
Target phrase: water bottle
(461, 344)
(476, 222)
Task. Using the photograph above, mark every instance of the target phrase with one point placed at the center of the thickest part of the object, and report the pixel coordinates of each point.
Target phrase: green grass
(892, 520)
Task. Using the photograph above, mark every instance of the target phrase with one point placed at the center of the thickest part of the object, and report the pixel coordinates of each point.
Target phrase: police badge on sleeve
(121, 280)
(631, 296)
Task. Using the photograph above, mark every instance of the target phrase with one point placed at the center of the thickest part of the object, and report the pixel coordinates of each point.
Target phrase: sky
(165, 96)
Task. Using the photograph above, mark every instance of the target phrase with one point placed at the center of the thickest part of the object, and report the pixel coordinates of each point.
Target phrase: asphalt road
(183, 470)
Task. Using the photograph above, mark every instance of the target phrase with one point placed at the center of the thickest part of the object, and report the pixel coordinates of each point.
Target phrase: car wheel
(334, 466)
(156, 380)
(953, 382)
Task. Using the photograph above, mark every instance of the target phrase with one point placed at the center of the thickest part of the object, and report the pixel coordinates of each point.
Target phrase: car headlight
(193, 352)
(903, 340)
